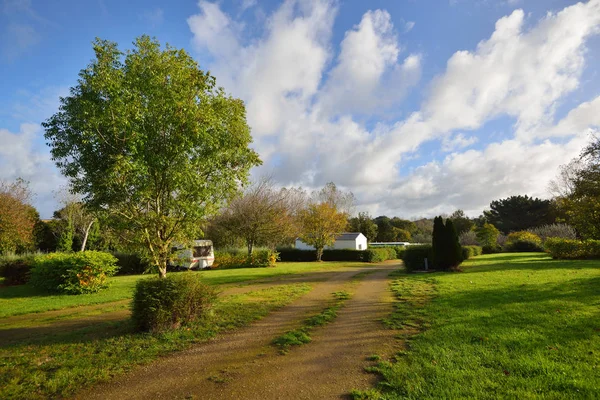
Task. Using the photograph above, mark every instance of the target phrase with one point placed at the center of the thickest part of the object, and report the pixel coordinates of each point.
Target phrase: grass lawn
(519, 326)
(24, 299)
(54, 366)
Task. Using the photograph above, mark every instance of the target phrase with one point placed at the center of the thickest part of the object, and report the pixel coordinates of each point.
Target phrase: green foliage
(438, 242)
(461, 222)
(343, 255)
(131, 264)
(259, 258)
(491, 249)
(487, 235)
(471, 251)
(399, 251)
(164, 304)
(523, 241)
(16, 270)
(149, 137)
(379, 254)
(73, 273)
(297, 255)
(414, 257)
(321, 224)
(517, 213)
(364, 224)
(570, 249)
(65, 241)
(447, 253)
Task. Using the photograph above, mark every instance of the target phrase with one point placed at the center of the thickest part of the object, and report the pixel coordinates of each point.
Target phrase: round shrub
(523, 241)
(161, 304)
(73, 273)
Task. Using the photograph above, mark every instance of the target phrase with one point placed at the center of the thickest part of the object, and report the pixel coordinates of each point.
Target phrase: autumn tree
(320, 224)
(148, 138)
(263, 215)
(17, 217)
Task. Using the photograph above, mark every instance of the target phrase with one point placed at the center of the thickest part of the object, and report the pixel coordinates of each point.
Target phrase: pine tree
(453, 250)
(438, 242)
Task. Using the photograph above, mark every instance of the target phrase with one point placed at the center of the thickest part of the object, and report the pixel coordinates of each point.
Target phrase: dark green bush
(471, 251)
(379, 254)
(296, 255)
(16, 270)
(573, 249)
(168, 303)
(414, 257)
(399, 251)
(342, 255)
(491, 249)
(73, 273)
(131, 264)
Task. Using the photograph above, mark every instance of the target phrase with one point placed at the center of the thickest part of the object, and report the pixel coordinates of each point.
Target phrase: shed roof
(348, 236)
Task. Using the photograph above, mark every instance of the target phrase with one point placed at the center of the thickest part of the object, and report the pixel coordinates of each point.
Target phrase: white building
(348, 240)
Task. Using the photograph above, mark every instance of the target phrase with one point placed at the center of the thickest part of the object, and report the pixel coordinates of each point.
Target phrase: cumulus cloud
(23, 155)
(306, 104)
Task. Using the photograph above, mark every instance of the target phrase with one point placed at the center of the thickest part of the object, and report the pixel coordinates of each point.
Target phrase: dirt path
(243, 365)
(18, 328)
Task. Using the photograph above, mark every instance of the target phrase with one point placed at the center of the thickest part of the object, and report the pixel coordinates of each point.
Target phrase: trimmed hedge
(16, 270)
(377, 254)
(570, 249)
(471, 251)
(73, 273)
(414, 257)
(168, 303)
(491, 249)
(260, 258)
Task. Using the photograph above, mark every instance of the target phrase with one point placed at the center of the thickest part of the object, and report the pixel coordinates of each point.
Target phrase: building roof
(348, 236)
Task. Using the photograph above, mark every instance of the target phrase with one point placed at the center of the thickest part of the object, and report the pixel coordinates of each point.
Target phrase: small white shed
(348, 240)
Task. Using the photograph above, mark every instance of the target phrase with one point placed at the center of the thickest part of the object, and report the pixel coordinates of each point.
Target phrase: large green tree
(364, 224)
(518, 213)
(149, 138)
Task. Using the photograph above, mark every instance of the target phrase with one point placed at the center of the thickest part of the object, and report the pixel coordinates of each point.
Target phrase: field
(509, 326)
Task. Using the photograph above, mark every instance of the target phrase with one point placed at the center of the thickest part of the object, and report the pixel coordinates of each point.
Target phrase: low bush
(131, 264)
(523, 241)
(379, 254)
(414, 257)
(471, 251)
(260, 258)
(296, 255)
(73, 273)
(572, 249)
(16, 270)
(563, 231)
(399, 251)
(168, 303)
(491, 249)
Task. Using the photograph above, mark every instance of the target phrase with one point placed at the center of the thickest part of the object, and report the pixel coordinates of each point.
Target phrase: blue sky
(418, 107)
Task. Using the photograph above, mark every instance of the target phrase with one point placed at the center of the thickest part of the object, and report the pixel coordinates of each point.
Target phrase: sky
(419, 107)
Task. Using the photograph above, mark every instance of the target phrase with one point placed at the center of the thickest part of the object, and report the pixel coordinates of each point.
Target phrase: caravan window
(201, 251)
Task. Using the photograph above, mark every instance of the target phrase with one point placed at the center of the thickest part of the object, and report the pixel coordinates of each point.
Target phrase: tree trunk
(85, 237)
(319, 253)
(162, 270)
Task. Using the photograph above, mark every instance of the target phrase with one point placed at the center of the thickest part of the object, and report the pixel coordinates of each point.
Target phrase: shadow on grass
(523, 261)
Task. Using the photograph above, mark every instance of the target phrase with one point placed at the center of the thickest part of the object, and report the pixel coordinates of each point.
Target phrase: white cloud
(153, 17)
(305, 103)
(459, 141)
(408, 26)
(368, 75)
(23, 156)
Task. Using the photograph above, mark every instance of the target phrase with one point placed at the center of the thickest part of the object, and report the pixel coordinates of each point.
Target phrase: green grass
(51, 366)
(519, 326)
(301, 335)
(25, 299)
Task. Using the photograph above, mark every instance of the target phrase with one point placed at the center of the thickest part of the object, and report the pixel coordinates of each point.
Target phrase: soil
(244, 364)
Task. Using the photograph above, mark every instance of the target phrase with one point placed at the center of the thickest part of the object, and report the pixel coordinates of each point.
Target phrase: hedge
(377, 254)
(260, 258)
(523, 241)
(167, 303)
(414, 257)
(471, 251)
(73, 273)
(572, 249)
